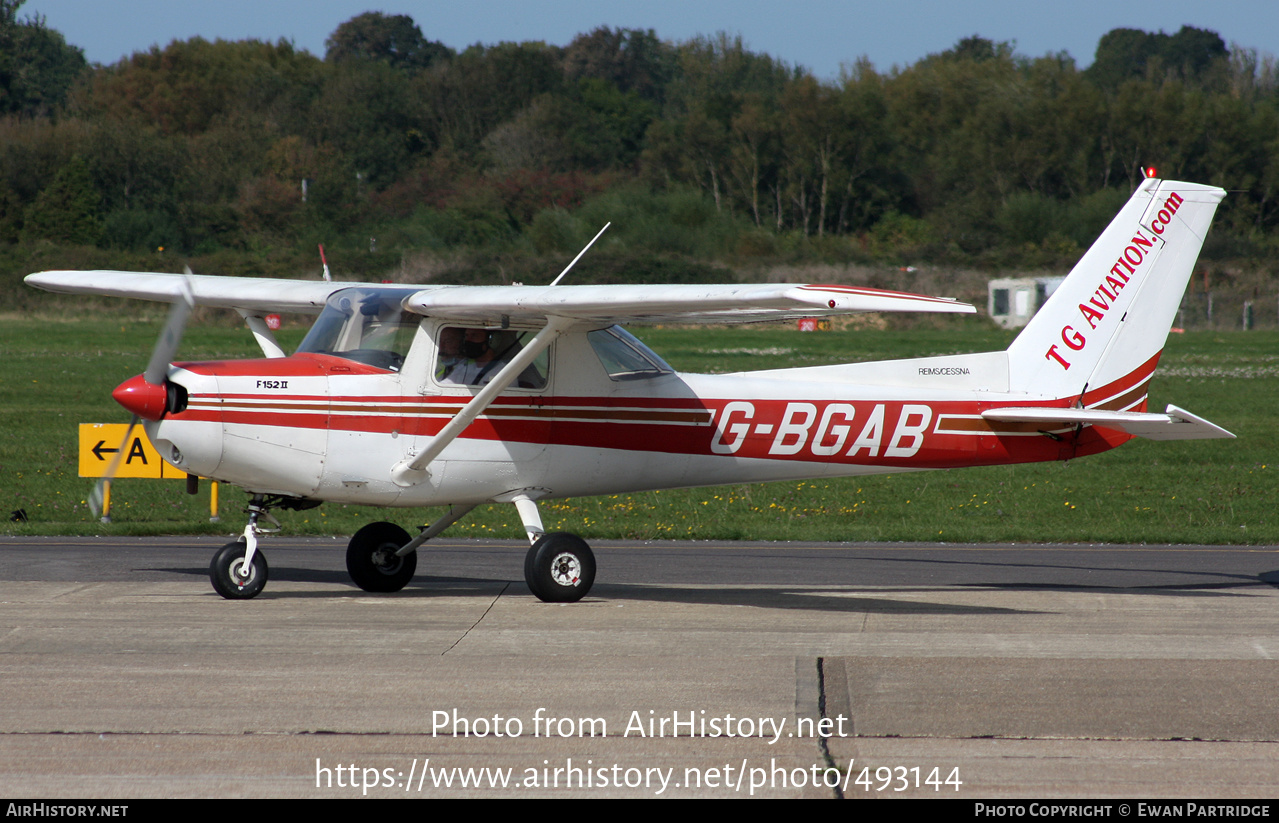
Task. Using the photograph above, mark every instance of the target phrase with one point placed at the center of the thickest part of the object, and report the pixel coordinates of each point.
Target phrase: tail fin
(1105, 326)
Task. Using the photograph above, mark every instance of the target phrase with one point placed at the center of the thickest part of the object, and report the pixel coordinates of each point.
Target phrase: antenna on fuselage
(556, 281)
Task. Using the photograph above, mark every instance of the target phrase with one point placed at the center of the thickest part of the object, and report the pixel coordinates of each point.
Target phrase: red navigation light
(1150, 171)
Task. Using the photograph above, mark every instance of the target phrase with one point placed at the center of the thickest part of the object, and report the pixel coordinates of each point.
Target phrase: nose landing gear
(232, 577)
(239, 571)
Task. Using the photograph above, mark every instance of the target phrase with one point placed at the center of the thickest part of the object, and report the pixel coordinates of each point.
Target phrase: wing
(1174, 424)
(251, 293)
(742, 303)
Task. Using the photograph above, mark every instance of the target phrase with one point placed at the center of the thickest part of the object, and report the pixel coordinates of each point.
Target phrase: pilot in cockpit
(450, 353)
(474, 356)
(477, 362)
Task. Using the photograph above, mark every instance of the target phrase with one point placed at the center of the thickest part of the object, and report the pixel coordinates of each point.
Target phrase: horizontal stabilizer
(1174, 424)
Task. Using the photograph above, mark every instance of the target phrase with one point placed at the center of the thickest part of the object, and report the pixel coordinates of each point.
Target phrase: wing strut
(262, 333)
(412, 470)
(454, 514)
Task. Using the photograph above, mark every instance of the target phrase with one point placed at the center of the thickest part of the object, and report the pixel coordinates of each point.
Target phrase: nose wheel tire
(559, 568)
(229, 577)
(371, 560)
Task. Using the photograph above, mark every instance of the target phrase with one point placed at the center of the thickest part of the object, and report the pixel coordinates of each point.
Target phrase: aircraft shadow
(1219, 583)
(831, 599)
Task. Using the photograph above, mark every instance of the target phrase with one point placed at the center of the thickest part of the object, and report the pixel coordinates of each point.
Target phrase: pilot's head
(450, 341)
(502, 341)
(476, 343)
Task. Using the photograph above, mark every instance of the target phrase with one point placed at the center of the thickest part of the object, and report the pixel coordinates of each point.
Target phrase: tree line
(697, 150)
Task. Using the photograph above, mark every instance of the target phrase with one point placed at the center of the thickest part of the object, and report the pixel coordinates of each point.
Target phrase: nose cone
(146, 400)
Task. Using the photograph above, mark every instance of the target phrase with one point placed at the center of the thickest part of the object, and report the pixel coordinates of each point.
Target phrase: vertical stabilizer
(1104, 327)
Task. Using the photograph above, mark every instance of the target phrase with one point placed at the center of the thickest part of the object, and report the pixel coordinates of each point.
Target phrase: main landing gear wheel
(371, 560)
(229, 577)
(559, 568)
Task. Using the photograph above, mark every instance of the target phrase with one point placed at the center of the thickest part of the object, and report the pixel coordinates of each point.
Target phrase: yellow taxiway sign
(102, 443)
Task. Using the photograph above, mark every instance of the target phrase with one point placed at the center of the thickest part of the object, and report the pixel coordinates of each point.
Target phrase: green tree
(631, 60)
(133, 166)
(66, 211)
(954, 116)
(463, 100)
(37, 67)
(978, 49)
(593, 127)
(190, 86)
(811, 137)
(1193, 53)
(370, 115)
(390, 38)
(1122, 54)
(755, 139)
(697, 142)
(1129, 54)
(870, 157)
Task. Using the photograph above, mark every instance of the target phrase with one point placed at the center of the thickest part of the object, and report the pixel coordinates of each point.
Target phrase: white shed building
(1012, 301)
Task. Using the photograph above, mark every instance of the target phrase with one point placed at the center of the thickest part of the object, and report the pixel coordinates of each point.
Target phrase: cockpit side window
(367, 325)
(473, 355)
(624, 357)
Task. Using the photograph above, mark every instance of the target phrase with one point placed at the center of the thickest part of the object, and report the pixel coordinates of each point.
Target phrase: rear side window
(624, 357)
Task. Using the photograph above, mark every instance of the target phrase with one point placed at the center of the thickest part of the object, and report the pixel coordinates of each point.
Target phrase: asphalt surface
(692, 670)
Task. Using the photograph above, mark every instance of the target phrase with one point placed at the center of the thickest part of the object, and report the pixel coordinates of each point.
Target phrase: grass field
(55, 374)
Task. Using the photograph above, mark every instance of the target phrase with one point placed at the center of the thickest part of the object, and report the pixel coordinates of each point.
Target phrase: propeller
(97, 497)
(148, 394)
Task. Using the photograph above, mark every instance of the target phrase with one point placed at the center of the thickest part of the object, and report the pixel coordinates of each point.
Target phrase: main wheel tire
(559, 568)
(530, 575)
(227, 575)
(371, 560)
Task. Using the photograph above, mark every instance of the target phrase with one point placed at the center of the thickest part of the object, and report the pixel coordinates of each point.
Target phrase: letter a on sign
(101, 442)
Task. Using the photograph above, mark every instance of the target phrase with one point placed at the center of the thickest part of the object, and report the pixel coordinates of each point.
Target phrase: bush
(899, 236)
(66, 210)
(140, 229)
(1085, 218)
(1028, 217)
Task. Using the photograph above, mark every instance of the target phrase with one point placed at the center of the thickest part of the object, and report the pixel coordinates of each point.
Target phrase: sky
(820, 35)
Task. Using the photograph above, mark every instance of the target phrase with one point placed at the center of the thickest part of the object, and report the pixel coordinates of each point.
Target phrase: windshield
(367, 325)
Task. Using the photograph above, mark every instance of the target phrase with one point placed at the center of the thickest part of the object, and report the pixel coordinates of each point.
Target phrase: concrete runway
(1013, 671)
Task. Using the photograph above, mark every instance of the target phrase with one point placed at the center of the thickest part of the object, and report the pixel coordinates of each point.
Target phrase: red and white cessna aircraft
(439, 395)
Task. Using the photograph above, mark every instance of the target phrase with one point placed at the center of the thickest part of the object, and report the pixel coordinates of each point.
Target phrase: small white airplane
(463, 395)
